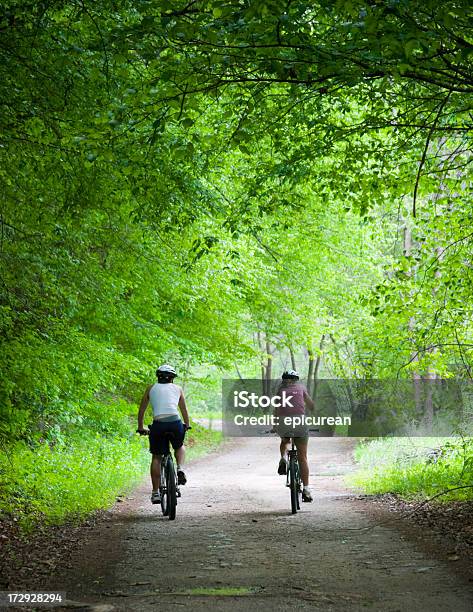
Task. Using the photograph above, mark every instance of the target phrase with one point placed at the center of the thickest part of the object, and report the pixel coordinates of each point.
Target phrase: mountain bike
(293, 478)
(169, 488)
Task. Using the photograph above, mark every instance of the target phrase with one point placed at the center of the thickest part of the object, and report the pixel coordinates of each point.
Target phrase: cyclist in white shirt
(165, 398)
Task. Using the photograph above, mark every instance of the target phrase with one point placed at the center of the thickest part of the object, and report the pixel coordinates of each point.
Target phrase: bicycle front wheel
(171, 489)
(293, 485)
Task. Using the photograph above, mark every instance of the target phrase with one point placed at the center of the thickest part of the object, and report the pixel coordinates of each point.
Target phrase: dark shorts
(163, 432)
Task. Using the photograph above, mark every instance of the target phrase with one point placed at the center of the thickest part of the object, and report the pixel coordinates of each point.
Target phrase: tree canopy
(181, 180)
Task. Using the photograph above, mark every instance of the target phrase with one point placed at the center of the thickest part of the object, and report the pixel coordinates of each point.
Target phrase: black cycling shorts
(163, 432)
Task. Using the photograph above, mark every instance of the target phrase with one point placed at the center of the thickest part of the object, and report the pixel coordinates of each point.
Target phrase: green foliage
(207, 182)
(416, 468)
(73, 477)
(81, 467)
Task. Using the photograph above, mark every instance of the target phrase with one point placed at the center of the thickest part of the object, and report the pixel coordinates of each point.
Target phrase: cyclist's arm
(309, 401)
(142, 410)
(183, 409)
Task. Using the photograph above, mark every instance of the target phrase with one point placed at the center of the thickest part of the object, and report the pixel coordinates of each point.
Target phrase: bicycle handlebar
(145, 432)
(273, 431)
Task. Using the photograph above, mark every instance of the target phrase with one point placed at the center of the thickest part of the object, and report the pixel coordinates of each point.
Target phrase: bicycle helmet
(290, 375)
(166, 371)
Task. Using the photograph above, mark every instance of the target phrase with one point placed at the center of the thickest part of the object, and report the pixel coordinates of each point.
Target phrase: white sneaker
(155, 497)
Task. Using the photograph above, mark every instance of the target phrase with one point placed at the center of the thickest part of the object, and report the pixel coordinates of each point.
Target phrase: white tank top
(164, 398)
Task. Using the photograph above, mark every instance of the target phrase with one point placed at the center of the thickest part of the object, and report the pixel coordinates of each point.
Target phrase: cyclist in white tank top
(165, 398)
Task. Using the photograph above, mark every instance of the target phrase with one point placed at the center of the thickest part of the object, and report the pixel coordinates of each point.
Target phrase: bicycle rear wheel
(163, 488)
(171, 489)
(293, 485)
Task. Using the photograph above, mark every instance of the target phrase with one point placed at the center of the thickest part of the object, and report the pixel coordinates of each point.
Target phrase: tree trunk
(310, 372)
(269, 365)
(293, 359)
(428, 402)
(416, 378)
(346, 382)
(430, 376)
(238, 371)
(263, 369)
(318, 362)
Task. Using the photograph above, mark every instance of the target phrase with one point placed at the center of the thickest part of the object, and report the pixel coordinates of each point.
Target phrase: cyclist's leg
(284, 447)
(156, 471)
(158, 446)
(301, 445)
(180, 454)
(177, 442)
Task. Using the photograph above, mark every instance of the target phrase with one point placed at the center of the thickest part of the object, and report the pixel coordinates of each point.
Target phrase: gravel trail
(235, 546)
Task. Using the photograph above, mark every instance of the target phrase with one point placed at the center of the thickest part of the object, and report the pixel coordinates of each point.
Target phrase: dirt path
(234, 530)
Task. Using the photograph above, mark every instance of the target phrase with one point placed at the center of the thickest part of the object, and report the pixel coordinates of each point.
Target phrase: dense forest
(222, 185)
